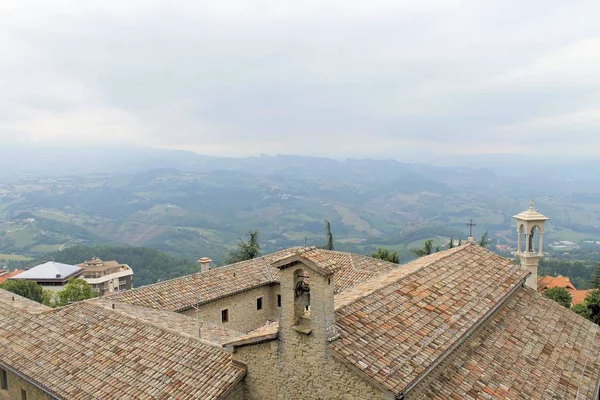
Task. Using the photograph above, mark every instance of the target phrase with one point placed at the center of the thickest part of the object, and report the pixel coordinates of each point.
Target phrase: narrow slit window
(225, 315)
(278, 300)
(23, 394)
(3, 380)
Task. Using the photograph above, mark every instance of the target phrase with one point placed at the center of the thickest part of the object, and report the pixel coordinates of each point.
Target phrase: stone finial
(531, 205)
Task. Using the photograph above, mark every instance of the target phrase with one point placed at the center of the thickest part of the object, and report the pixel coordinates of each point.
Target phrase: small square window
(259, 303)
(278, 300)
(225, 315)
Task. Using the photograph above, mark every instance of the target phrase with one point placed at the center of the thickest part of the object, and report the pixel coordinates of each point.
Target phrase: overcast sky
(318, 77)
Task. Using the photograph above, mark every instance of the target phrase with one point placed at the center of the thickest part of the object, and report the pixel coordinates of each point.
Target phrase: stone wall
(243, 315)
(301, 374)
(262, 376)
(299, 364)
(16, 384)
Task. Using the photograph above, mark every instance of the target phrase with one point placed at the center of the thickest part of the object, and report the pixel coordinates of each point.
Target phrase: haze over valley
(193, 206)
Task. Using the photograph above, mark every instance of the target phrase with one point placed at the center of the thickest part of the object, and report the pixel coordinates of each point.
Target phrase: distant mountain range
(194, 205)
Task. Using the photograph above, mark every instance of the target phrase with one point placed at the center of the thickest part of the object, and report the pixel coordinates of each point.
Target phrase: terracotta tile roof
(7, 275)
(211, 333)
(397, 326)
(181, 294)
(578, 296)
(533, 348)
(12, 301)
(549, 282)
(321, 260)
(86, 351)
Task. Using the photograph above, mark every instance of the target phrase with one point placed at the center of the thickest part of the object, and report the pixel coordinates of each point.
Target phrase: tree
(329, 235)
(451, 243)
(25, 288)
(582, 310)
(592, 301)
(484, 241)
(386, 255)
(75, 290)
(426, 250)
(595, 282)
(245, 250)
(559, 295)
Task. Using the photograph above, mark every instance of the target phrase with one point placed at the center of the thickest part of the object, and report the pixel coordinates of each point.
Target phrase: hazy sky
(330, 78)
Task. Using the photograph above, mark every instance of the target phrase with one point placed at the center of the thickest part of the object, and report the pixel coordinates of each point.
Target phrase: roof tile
(86, 351)
(405, 320)
(533, 347)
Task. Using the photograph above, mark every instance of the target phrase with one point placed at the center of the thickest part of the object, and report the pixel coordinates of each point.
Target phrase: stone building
(306, 323)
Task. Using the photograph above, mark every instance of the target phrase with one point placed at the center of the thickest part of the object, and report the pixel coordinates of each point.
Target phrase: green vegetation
(14, 257)
(245, 250)
(387, 255)
(25, 288)
(590, 308)
(426, 250)
(484, 241)
(329, 236)
(595, 281)
(75, 290)
(592, 302)
(195, 207)
(582, 310)
(559, 295)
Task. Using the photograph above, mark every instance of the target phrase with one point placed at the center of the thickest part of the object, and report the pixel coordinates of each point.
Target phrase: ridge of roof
(183, 293)
(553, 352)
(311, 257)
(18, 302)
(380, 282)
(394, 333)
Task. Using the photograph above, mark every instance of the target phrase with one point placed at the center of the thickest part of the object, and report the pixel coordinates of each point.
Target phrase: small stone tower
(529, 224)
(307, 290)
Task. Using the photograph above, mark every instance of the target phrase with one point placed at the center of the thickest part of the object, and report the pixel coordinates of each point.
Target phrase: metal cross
(305, 241)
(470, 224)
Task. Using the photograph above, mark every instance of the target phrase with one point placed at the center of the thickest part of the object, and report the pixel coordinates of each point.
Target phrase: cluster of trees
(250, 248)
(387, 255)
(75, 290)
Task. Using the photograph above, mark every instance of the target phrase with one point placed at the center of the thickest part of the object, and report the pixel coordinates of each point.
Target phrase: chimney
(204, 264)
